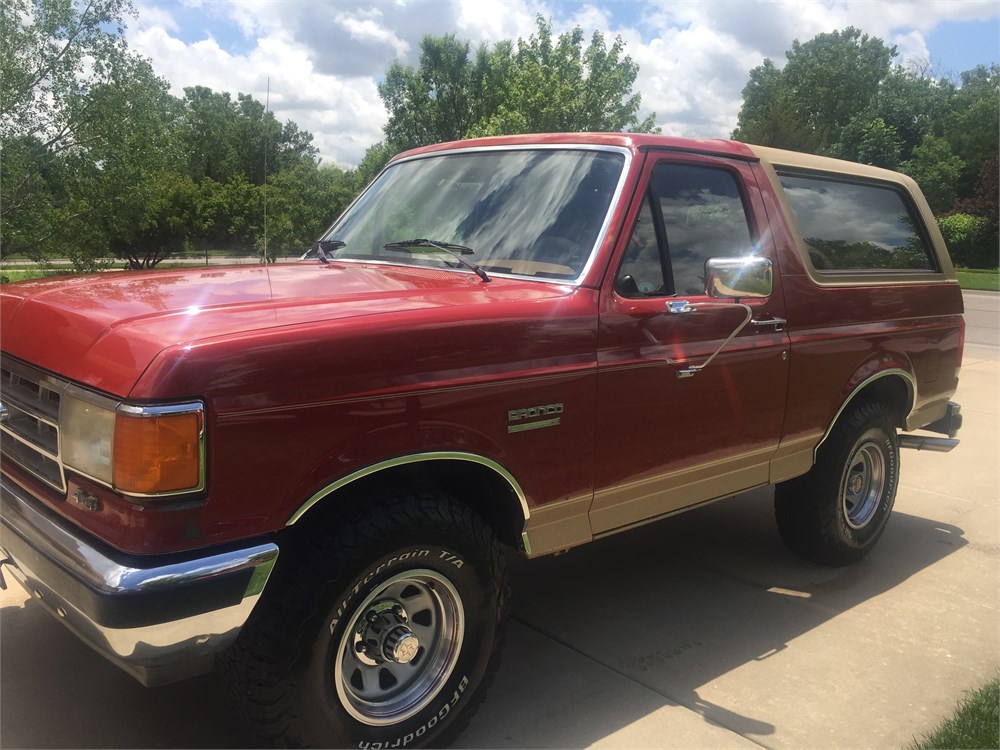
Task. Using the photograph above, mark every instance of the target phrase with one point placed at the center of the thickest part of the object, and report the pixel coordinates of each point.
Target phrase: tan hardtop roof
(781, 158)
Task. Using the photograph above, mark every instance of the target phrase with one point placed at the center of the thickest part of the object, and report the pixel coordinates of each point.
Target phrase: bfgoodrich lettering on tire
(381, 630)
(836, 513)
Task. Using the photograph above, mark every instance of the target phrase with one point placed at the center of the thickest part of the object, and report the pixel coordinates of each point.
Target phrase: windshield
(535, 213)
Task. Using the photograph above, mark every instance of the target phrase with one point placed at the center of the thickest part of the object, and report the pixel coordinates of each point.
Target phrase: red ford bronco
(306, 471)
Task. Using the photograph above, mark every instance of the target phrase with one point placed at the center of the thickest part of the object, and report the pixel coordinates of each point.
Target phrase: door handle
(778, 324)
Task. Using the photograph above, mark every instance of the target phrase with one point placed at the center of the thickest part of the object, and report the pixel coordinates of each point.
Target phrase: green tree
(53, 55)
(828, 76)
(825, 82)
(437, 101)
(767, 116)
(972, 123)
(873, 142)
(302, 202)
(376, 156)
(224, 137)
(840, 95)
(971, 240)
(160, 226)
(557, 85)
(228, 215)
(541, 84)
(936, 169)
(914, 107)
(132, 171)
(985, 201)
(907, 108)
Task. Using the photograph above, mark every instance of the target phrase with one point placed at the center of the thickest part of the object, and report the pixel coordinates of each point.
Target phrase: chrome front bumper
(160, 618)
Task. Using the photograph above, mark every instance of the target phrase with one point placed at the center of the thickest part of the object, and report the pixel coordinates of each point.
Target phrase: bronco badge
(540, 416)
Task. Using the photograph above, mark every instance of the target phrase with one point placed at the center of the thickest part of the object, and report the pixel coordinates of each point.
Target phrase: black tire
(298, 671)
(836, 513)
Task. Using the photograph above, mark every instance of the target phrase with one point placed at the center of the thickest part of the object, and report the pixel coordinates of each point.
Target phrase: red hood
(104, 330)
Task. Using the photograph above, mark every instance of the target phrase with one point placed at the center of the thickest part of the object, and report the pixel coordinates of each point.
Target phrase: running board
(921, 443)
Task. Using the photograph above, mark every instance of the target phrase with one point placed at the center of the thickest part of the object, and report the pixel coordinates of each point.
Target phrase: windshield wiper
(321, 249)
(456, 251)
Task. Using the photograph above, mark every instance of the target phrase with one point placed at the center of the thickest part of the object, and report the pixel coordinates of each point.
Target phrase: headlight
(137, 450)
(87, 431)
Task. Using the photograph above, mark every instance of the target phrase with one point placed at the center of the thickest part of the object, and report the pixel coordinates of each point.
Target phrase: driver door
(667, 439)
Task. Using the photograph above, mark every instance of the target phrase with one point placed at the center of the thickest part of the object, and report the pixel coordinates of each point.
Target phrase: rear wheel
(836, 513)
(383, 629)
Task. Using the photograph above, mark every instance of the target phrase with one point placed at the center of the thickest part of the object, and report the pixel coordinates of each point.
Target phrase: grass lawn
(977, 278)
(976, 723)
(23, 274)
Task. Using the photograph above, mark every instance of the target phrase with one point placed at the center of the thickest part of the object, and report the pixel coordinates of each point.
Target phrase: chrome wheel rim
(401, 647)
(864, 485)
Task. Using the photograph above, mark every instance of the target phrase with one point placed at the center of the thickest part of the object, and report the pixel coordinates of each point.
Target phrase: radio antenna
(267, 111)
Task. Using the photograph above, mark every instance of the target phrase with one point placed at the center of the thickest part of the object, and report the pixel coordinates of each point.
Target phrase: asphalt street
(982, 314)
(701, 631)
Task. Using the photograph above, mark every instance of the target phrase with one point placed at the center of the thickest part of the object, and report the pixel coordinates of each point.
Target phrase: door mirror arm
(682, 306)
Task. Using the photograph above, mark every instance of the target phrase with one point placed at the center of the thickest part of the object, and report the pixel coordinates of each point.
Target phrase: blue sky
(324, 57)
(962, 45)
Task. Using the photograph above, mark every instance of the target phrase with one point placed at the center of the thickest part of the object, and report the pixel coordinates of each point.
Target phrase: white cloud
(367, 28)
(490, 20)
(325, 57)
(345, 115)
(911, 46)
(151, 16)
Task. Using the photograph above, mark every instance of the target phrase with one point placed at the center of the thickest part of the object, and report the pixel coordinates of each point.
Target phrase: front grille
(29, 434)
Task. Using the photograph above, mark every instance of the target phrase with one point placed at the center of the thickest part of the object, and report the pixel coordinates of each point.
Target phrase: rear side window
(855, 226)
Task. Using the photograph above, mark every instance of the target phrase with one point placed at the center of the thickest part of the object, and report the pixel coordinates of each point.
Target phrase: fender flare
(908, 379)
(411, 459)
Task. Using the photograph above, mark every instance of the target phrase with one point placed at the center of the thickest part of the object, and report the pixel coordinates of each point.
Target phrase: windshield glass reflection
(527, 213)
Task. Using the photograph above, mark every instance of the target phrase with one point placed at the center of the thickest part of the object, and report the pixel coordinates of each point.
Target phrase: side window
(702, 217)
(854, 226)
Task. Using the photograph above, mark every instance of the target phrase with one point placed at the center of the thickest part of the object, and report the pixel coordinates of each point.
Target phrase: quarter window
(849, 226)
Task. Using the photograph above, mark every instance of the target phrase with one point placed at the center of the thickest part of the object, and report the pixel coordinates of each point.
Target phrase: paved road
(698, 632)
(982, 318)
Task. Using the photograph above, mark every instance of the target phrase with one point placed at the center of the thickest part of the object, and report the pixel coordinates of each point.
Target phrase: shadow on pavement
(672, 607)
(654, 614)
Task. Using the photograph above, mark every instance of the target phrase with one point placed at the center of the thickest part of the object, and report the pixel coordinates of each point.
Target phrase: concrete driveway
(702, 631)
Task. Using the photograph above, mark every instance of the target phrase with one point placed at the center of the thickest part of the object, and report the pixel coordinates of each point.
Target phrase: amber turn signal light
(157, 454)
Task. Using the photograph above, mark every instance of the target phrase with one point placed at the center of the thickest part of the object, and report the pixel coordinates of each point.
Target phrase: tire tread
(259, 667)
(807, 508)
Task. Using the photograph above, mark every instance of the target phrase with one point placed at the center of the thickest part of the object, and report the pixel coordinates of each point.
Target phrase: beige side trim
(414, 458)
(792, 459)
(673, 491)
(554, 527)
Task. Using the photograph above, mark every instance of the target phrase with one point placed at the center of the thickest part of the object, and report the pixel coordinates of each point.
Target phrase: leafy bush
(971, 240)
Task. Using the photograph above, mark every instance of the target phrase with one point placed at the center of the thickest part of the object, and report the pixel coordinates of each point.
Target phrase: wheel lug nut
(398, 611)
(372, 617)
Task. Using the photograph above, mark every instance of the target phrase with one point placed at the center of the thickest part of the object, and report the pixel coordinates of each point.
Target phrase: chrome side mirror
(748, 276)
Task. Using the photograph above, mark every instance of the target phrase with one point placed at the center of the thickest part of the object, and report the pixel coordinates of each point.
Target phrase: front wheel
(836, 513)
(382, 631)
